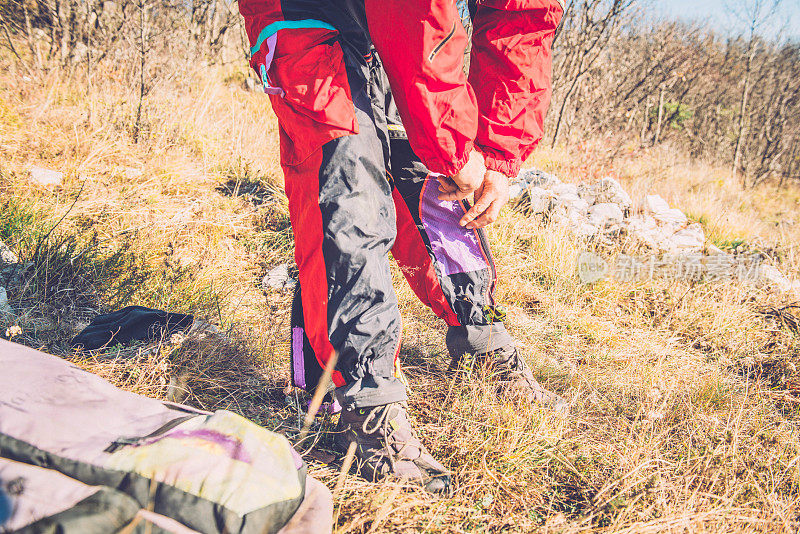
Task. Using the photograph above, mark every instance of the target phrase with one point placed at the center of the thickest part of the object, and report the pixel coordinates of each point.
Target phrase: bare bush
(729, 99)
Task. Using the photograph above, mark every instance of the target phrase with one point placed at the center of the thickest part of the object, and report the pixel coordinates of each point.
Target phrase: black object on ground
(133, 323)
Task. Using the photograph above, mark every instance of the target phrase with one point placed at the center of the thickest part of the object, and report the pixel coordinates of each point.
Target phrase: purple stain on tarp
(298, 365)
(455, 248)
(230, 444)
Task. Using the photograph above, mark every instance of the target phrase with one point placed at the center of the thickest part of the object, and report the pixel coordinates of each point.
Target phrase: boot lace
(378, 420)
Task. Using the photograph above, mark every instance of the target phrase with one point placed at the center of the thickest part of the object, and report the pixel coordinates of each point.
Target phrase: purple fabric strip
(270, 90)
(230, 444)
(298, 364)
(455, 248)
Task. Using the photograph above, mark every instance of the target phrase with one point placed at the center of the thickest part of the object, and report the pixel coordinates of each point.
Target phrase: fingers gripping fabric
(450, 268)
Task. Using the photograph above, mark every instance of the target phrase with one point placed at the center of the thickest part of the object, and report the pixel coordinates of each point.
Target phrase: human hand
(466, 181)
(490, 197)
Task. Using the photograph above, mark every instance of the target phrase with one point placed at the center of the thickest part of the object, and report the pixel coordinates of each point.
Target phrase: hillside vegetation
(685, 396)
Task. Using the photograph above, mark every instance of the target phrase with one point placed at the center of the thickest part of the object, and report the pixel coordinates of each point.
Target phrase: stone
(587, 229)
(655, 204)
(568, 199)
(540, 199)
(5, 307)
(537, 178)
(515, 190)
(653, 239)
(672, 216)
(643, 221)
(605, 213)
(771, 276)
(530, 200)
(612, 191)
(690, 238)
(45, 177)
(576, 214)
(565, 190)
(278, 278)
(587, 193)
(645, 230)
(7, 255)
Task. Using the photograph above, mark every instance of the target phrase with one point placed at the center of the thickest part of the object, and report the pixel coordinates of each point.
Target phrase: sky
(717, 13)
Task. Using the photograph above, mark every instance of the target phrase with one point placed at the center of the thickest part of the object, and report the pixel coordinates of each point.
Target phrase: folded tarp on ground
(78, 455)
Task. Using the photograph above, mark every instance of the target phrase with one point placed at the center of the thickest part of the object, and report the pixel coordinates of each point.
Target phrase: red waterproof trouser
(357, 192)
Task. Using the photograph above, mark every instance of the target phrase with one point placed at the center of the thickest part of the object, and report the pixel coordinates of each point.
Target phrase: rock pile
(606, 212)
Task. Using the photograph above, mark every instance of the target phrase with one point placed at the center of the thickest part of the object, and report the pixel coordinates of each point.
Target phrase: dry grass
(684, 395)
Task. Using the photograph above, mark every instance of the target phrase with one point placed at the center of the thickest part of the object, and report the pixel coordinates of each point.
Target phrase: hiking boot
(388, 446)
(516, 379)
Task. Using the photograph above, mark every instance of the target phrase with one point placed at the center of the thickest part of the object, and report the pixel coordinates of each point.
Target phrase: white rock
(796, 287)
(577, 216)
(645, 230)
(7, 255)
(569, 218)
(278, 278)
(644, 236)
(515, 190)
(589, 194)
(655, 204)
(770, 275)
(573, 203)
(568, 199)
(605, 213)
(538, 178)
(540, 199)
(612, 191)
(5, 307)
(643, 221)
(46, 177)
(564, 190)
(672, 216)
(587, 230)
(690, 238)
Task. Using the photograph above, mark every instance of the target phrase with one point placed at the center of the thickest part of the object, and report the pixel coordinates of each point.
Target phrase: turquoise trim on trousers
(275, 27)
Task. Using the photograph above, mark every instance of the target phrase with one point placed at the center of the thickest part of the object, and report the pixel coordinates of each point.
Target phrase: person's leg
(343, 221)
(333, 153)
(451, 270)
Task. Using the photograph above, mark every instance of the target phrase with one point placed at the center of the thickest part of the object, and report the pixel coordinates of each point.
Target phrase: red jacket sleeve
(501, 110)
(421, 44)
(511, 74)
